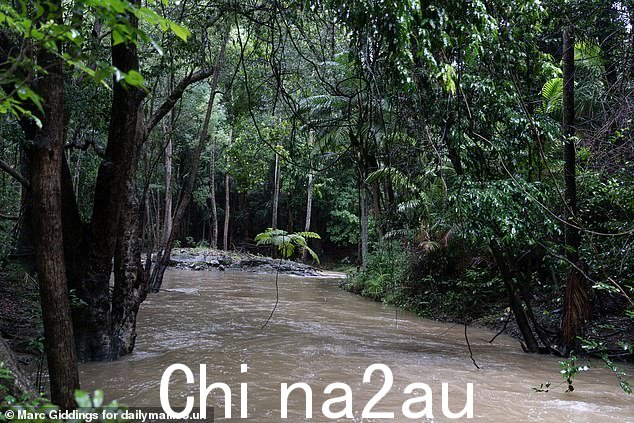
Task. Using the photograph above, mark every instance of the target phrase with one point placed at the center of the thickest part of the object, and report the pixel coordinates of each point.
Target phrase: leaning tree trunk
(576, 301)
(46, 181)
(131, 279)
(515, 301)
(156, 279)
(309, 207)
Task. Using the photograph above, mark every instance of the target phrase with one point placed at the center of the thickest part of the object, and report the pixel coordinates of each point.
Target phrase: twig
(469, 346)
(277, 294)
(508, 318)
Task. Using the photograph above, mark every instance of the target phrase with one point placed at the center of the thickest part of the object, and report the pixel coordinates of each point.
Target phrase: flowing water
(320, 335)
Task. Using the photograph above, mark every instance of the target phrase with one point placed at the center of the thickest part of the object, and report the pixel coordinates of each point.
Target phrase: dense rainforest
(470, 161)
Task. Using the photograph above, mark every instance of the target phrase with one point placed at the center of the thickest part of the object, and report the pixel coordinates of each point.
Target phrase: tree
(46, 179)
(309, 189)
(156, 278)
(576, 302)
(104, 328)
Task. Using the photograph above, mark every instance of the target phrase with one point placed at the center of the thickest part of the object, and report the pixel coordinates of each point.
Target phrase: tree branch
(14, 173)
(174, 96)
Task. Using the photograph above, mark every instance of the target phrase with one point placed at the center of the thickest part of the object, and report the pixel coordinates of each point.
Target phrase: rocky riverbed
(218, 260)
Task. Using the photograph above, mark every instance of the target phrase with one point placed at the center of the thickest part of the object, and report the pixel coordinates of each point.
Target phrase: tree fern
(287, 243)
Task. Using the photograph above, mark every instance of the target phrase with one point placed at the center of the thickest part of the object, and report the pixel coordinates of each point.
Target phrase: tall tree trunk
(167, 220)
(276, 191)
(212, 194)
(225, 233)
(311, 183)
(363, 219)
(572, 234)
(93, 254)
(576, 301)
(46, 181)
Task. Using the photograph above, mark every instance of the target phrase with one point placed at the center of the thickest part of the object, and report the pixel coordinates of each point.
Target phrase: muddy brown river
(320, 335)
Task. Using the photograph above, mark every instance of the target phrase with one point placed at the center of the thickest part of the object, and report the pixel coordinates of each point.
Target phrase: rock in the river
(198, 259)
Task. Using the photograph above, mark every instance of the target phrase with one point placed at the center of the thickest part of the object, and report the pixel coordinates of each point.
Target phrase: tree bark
(576, 300)
(91, 276)
(311, 183)
(48, 154)
(363, 219)
(276, 191)
(225, 234)
(167, 220)
(130, 282)
(212, 195)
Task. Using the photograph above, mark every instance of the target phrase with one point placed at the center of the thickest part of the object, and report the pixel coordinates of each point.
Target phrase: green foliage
(426, 281)
(287, 243)
(570, 370)
(94, 403)
(552, 93)
(597, 347)
(31, 403)
(27, 402)
(385, 273)
(43, 27)
(509, 210)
